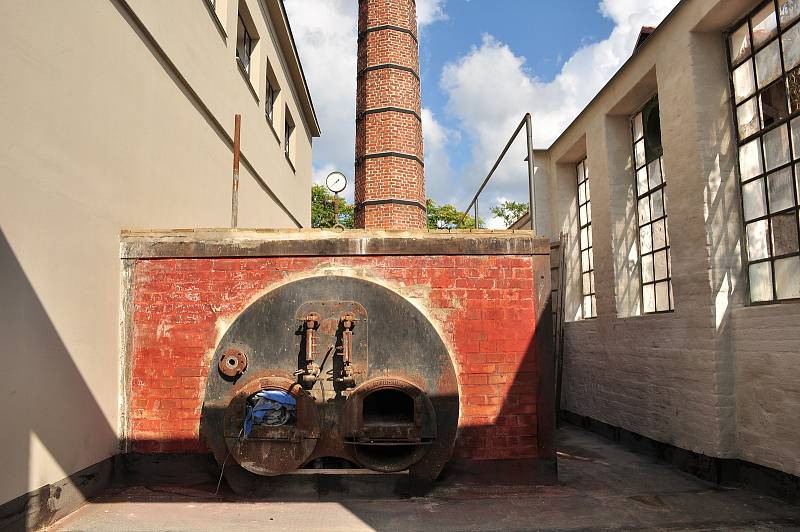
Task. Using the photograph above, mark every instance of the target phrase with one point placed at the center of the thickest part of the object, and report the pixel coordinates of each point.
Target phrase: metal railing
(527, 122)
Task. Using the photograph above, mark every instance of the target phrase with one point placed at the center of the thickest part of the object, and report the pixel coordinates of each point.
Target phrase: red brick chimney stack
(390, 174)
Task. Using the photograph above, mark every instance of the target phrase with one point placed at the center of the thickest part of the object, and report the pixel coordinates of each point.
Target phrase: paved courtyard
(602, 486)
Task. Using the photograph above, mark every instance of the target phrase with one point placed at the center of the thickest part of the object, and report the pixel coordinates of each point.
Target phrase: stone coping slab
(201, 243)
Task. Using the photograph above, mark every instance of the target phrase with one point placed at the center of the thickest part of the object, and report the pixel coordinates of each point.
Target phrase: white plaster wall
(100, 134)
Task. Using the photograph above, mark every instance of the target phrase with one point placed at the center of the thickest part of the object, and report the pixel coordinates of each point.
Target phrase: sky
(483, 64)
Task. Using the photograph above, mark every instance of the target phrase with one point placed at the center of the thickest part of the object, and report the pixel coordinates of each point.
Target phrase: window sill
(272, 128)
(291, 165)
(217, 22)
(246, 76)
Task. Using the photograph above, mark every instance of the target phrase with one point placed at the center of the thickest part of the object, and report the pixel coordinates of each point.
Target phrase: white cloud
(429, 11)
(489, 89)
(437, 163)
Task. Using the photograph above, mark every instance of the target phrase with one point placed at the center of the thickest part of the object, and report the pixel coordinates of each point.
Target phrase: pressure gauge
(336, 182)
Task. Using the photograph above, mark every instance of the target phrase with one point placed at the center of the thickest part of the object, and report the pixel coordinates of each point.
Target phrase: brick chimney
(390, 174)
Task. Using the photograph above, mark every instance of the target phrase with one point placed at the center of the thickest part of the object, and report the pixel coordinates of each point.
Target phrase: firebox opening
(388, 406)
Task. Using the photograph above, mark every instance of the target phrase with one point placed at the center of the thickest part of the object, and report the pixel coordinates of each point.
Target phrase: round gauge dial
(336, 182)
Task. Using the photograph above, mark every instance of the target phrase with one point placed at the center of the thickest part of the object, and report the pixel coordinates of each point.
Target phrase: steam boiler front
(367, 381)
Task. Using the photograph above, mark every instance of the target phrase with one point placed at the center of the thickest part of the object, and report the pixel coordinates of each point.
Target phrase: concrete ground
(602, 486)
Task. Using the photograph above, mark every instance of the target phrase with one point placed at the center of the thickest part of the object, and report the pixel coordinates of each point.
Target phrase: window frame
(249, 43)
(793, 164)
(584, 268)
(649, 193)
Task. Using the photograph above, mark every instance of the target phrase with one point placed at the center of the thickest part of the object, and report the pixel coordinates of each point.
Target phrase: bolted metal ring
(233, 363)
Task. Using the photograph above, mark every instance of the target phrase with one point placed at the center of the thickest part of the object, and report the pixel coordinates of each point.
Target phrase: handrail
(527, 121)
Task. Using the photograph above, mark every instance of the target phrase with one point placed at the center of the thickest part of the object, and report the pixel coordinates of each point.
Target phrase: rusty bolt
(312, 320)
(233, 363)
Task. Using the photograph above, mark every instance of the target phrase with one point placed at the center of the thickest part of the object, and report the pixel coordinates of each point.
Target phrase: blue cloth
(269, 407)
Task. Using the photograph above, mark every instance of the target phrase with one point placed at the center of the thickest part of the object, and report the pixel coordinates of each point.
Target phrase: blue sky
(484, 64)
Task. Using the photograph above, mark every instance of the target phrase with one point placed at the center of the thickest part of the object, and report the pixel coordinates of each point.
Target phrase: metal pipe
(237, 148)
(494, 168)
(531, 171)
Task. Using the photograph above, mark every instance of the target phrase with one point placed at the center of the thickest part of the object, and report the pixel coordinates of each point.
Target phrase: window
(245, 38)
(589, 300)
(272, 95)
(654, 253)
(288, 136)
(273, 89)
(764, 58)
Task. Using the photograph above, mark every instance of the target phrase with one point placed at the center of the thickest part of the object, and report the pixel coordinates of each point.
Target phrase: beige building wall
(715, 376)
(119, 114)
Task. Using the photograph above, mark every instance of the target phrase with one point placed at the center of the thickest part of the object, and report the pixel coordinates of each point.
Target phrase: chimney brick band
(389, 162)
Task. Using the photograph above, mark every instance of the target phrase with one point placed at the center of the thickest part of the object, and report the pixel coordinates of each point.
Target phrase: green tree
(448, 217)
(322, 212)
(510, 211)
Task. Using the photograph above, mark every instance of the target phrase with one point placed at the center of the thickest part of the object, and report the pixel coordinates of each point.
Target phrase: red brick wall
(386, 131)
(484, 306)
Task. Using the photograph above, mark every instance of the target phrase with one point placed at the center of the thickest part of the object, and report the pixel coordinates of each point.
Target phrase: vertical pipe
(531, 182)
(236, 153)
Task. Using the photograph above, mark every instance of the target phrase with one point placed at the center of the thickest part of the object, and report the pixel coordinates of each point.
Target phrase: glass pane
(656, 205)
(740, 43)
(747, 118)
(580, 171)
(644, 210)
(588, 191)
(594, 306)
(660, 264)
(659, 234)
(662, 297)
(639, 152)
(646, 239)
(755, 204)
(641, 180)
(654, 172)
(587, 283)
(784, 234)
(760, 282)
(584, 238)
(750, 159)
(791, 47)
(585, 263)
(795, 130)
(781, 190)
(793, 90)
(765, 25)
(757, 243)
(647, 269)
(743, 83)
(788, 10)
(776, 147)
(768, 64)
(588, 213)
(582, 193)
(774, 107)
(649, 293)
(638, 130)
(787, 278)
(587, 306)
(584, 215)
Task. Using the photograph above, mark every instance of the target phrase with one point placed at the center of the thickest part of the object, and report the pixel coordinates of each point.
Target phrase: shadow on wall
(47, 410)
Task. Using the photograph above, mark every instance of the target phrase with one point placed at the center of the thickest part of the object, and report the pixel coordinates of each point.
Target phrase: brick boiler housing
(486, 293)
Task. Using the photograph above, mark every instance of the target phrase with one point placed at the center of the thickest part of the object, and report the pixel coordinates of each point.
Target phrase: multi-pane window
(652, 212)
(244, 44)
(764, 54)
(589, 301)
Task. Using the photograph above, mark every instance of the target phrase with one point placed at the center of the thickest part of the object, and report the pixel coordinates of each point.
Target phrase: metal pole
(476, 213)
(236, 155)
(531, 169)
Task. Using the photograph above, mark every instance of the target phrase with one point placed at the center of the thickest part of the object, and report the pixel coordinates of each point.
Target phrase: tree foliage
(448, 217)
(322, 212)
(510, 211)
